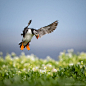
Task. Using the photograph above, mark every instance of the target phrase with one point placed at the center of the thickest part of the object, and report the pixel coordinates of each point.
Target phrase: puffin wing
(26, 29)
(47, 29)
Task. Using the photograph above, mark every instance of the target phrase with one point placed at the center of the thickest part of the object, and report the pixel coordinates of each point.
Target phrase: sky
(70, 32)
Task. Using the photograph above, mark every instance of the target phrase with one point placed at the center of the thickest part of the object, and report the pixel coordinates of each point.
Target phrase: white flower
(49, 65)
(4, 66)
(54, 70)
(13, 54)
(22, 53)
(24, 69)
(26, 64)
(82, 53)
(37, 67)
(32, 58)
(82, 62)
(49, 58)
(42, 71)
(16, 58)
(19, 71)
(34, 69)
(22, 61)
(45, 60)
(48, 73)
(78, 63)
(80, 66)
(28, 56)
(61, 53)
(70, 55)
(14, 64)
(79, 57)
(28, 70)
(57, 62)
(42, 64)
(71, 64)
(61, 59)
(7, 73)
(70, 50)
(45, 67)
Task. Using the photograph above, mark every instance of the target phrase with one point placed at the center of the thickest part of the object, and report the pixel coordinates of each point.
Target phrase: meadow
(29, 70)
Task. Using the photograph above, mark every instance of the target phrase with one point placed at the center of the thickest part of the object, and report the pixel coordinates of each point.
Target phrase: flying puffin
(28, 33)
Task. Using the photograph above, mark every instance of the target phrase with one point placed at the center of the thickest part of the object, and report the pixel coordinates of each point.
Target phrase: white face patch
(35, 32)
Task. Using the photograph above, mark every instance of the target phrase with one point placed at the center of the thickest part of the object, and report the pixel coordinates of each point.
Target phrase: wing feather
(47, 29)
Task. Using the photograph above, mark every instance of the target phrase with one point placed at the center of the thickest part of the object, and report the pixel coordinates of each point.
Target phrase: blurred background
(70, 32)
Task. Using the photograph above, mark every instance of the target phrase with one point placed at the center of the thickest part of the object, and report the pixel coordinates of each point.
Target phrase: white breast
(28, 36)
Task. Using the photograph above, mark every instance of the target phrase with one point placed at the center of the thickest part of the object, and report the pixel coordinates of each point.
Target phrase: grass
(69, 70)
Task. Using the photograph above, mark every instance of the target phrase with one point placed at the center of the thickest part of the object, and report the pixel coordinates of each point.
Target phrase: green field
(69, 70)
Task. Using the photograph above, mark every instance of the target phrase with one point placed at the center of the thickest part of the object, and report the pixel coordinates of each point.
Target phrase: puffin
(28, 33)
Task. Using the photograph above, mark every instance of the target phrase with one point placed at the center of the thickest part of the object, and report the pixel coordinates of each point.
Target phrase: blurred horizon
(70, 32)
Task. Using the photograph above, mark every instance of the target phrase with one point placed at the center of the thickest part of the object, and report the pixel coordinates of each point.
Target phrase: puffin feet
(28, 48)
(22, 46)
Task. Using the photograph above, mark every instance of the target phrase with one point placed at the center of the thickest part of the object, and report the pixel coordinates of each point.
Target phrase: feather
(29, 22)
(47, 29)
(26, 29)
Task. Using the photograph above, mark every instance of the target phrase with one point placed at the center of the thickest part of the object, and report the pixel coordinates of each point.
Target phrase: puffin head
(36, 34)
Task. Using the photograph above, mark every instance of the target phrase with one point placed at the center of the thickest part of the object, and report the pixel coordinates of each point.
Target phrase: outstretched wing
(47, 29)
(26, 29)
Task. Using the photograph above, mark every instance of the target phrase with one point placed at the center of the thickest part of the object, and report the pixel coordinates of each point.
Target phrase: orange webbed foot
(22, 46)
(28, 48)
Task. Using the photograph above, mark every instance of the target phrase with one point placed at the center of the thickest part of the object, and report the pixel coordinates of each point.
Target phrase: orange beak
(37, 36)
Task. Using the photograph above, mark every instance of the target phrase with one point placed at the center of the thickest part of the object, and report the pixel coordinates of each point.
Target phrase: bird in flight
(28, 33)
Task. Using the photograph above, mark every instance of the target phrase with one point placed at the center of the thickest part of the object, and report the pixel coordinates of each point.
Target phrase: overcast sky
(70, 32)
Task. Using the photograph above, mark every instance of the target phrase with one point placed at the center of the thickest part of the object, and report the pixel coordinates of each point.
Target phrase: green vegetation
(69, 70)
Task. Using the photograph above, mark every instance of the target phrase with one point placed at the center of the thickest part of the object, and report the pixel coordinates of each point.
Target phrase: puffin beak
(37, 36)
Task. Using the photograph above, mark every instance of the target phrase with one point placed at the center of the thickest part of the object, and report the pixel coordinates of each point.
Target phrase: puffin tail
(21, 45)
